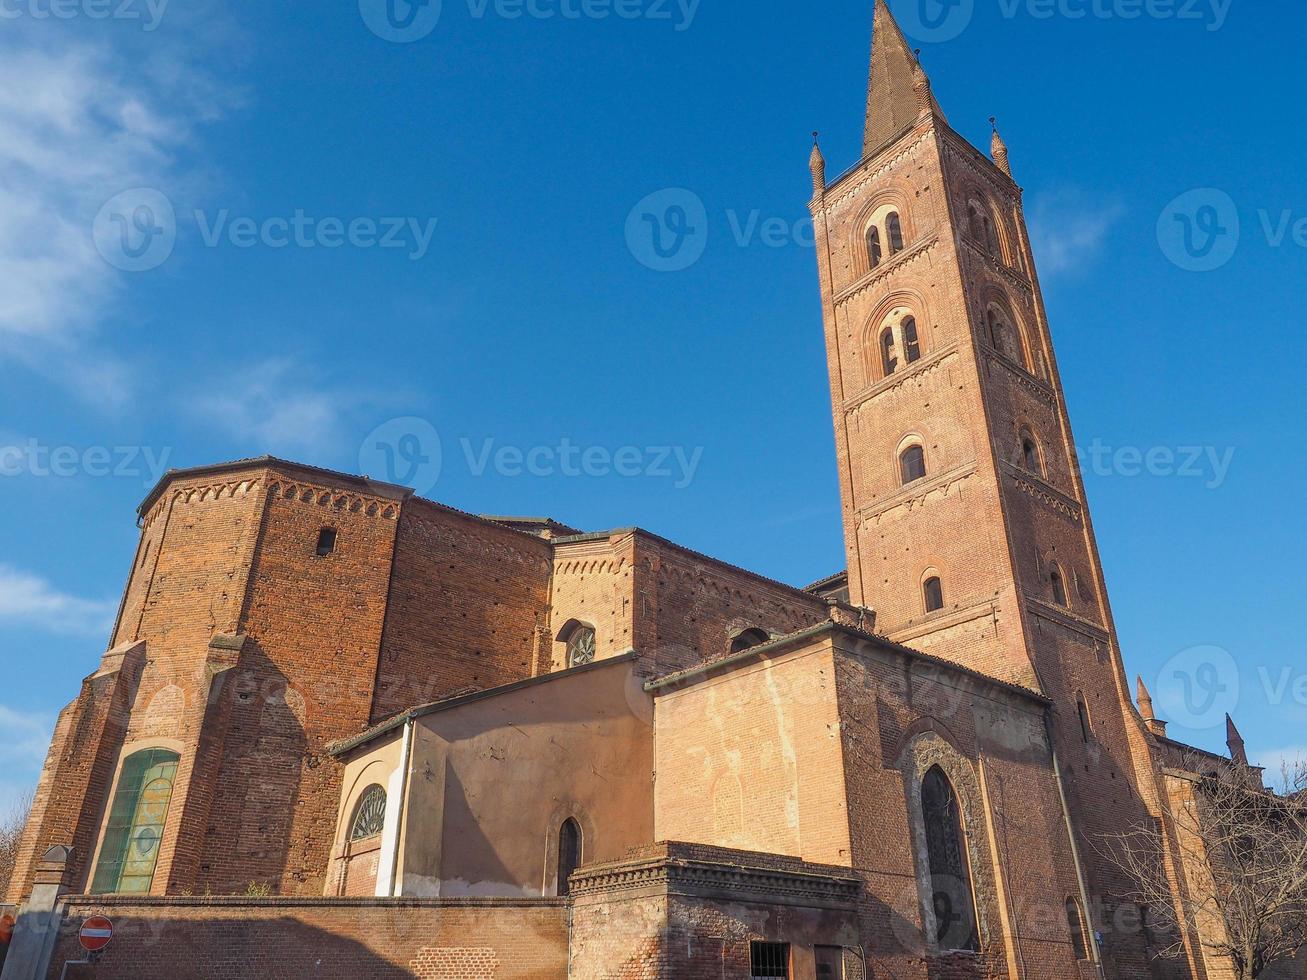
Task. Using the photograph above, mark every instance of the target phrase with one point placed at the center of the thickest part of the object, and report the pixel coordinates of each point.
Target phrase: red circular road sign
(96, 933)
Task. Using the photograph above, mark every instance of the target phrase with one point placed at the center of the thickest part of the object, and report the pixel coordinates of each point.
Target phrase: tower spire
(998, 149)
(1238, 751)
(1146, 710)
(817, 162)
(898, 90)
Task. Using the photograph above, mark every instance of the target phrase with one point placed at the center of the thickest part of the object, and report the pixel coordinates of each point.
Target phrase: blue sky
(501, 156)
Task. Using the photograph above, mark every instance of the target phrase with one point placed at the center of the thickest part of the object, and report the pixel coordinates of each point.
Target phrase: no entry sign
(96, 933)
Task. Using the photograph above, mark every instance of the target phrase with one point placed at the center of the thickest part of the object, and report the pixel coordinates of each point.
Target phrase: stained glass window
(137, 818)
(370, 815)
(950, 874)
(581, 647)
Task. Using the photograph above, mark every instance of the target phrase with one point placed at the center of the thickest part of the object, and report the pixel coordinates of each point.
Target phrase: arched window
(894, 227)
(581, 643)
(912, 464)
(1030, 453)
(874, 252)
(749, 639)
(934, 592)
(1059, 586)
(950, 868)
(997, 333)
(137, 819)
(569, 853)
(1076, 924)
(976, 221)
(889, 358)
(911, 341)
(369, 815)
(1086, 721)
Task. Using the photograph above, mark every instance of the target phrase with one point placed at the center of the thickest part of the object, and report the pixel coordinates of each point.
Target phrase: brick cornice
(1013, 276)
(885, 269)
(1035, 486)
(1042, 390)
(1065, 617)
(727, 881)
(918, 491)
(899, 378)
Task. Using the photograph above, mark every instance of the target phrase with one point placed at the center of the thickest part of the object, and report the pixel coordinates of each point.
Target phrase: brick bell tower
(965, 520)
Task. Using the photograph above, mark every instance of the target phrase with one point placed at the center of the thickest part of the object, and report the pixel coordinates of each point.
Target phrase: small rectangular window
(326, 541)
(769, 960)
(830, 963)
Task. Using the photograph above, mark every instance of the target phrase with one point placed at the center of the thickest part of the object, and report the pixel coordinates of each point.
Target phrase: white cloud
(1068, 230)
(80, 122)
(24, 740)
(30, 600)
(271, 408)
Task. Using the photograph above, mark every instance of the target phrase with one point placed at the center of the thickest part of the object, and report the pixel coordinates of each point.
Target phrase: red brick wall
(467, 604)
(345, 939)
(687, 605)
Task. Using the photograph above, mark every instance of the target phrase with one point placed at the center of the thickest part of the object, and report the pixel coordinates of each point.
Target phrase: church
(343, 731)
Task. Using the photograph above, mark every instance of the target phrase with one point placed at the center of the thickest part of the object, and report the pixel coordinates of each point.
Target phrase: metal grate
(768, 960)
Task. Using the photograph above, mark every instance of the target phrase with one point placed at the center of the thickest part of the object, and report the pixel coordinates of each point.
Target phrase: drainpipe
(401, 806)
(1075, 854)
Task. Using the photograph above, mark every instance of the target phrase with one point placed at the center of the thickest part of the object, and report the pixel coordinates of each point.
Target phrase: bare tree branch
(1230, 874)
(11, 832)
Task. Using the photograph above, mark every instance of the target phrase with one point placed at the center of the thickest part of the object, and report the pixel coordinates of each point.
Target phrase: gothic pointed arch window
(889, 352)
(912, 464)
(933, 592)
(1030, 457)
(569, 854)
(1058, 584)
(369, 815)
(1086, 720)
(894, 229)
(138, 816)
(1076, 926)
(976, 221)
(911, 340)
(951, 892)
(874, 250)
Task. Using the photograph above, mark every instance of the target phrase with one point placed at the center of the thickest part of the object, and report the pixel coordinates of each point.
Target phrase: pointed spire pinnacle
(1145, 701)
(817, 163)
(896, 97)
(1238, 751)
(999, 149)
(1151, 721)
